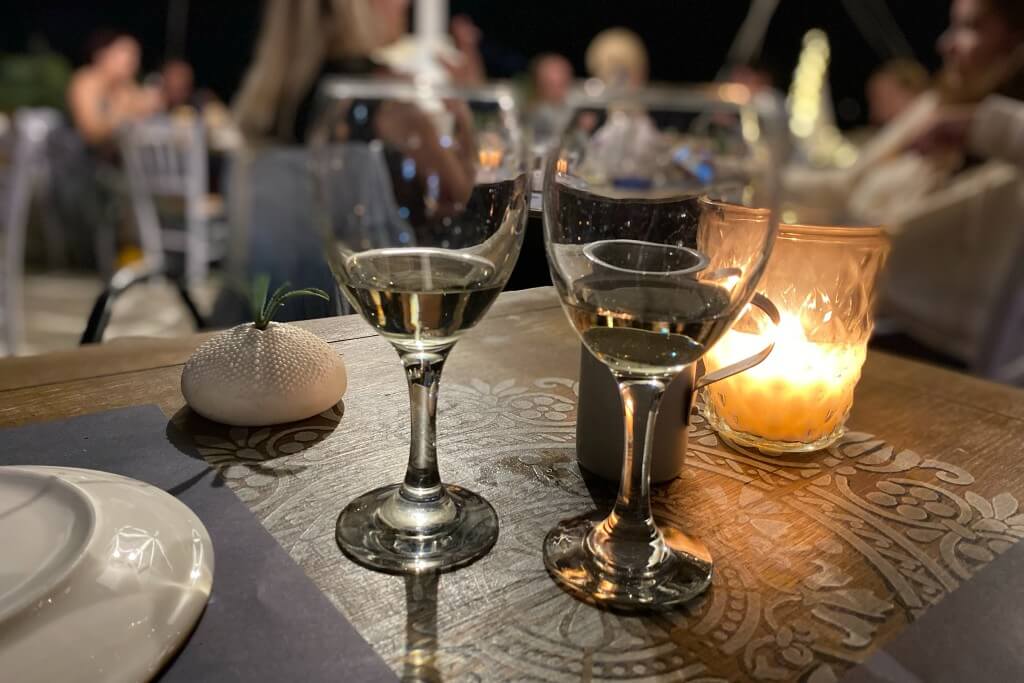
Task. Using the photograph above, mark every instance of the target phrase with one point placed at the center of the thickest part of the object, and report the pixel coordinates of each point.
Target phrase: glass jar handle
(765, 304)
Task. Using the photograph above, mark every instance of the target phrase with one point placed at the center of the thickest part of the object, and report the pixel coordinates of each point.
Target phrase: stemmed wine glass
(422, 191)
(659, 216)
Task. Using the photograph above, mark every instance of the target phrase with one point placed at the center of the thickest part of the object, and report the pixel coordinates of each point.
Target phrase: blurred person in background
(625, 139)
(468, 66)
(552, 76)
(552, 79)
(177, 85)
(956, 273)
(269, 194)
(993, 127)
(348, 33)
(982, 50)
(955, 222)
(104, 95)
(982, 53)
(893, 87)
(757, 76)
(302, 43)
(618, 58)
(182, 99)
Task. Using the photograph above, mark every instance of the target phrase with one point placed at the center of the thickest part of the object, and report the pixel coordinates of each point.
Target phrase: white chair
(38, 124)
(165, 160)
(22, 159)
(1002, 355)
(953, 279)
(274, 232)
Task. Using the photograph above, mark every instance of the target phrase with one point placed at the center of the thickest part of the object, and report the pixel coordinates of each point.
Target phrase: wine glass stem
(629, 537)
(423, 373)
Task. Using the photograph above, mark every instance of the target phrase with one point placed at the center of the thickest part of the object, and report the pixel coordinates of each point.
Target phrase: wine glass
(659, 216)
(422, 191)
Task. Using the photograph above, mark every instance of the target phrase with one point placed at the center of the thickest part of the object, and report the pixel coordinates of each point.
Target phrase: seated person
(756, 75)
(983, 54)
(893, 87)
(954, 271)
(103, 95)
(302, 43)
(992, 129)
(552, 79)
(618, 58)
(177, 85)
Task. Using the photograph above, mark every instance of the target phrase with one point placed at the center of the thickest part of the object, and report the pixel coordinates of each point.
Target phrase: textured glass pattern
(823, 282)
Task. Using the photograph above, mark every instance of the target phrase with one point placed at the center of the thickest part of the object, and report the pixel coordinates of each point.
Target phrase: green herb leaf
(282, 294)
(308, 291)
(260, 285)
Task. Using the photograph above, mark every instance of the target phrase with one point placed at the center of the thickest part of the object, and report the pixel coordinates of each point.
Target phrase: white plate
(102, 578)
(45, 523)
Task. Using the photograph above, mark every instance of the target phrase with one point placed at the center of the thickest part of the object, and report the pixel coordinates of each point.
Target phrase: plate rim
(150, 666)
(19, 603)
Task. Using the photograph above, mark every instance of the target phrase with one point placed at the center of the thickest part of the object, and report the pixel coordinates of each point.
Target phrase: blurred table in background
(820, 558)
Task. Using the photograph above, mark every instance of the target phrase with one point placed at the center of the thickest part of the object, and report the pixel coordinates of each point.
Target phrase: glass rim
(867, 234)
(343, 87)
(713, 200)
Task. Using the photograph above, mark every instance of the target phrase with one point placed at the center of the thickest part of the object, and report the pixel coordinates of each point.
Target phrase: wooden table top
(819, 558)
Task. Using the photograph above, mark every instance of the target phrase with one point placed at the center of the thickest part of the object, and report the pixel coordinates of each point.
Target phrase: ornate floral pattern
(818, 557)
(254, 461)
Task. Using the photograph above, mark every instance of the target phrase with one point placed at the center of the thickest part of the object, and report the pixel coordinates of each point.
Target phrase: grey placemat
(975, 634)
(266, 621)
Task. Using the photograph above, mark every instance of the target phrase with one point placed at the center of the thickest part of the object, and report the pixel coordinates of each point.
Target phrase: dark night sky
(687, 39)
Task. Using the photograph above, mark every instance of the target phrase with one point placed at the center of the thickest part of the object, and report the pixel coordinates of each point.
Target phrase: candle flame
(801, 392)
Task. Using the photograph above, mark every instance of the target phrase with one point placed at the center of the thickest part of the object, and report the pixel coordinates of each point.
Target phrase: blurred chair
(270, 206)
(1002, 356)
(22, 160)
(954, 277)
(166, 166)
(123, 279)
(41, 124)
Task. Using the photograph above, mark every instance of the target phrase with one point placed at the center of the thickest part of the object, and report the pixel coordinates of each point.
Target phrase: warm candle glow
(490, 157)
(822, 280)
(802, 392)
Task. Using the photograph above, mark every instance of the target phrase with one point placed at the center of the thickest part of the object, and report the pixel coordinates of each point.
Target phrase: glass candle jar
(823, 280)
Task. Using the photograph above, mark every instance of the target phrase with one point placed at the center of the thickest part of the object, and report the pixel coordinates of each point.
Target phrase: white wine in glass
(655, 247)
(421, 236)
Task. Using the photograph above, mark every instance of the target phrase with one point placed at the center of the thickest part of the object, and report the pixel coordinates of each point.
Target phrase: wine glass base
(684, 573)
(365, 537)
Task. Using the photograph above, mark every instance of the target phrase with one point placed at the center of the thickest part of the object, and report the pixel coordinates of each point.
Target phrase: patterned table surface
(819, 558)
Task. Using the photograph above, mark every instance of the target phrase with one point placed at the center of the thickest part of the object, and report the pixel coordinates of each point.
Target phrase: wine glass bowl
(422, 196)
(659, 218)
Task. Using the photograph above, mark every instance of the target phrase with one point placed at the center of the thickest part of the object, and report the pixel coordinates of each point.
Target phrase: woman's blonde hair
(618, 57)
(296, 37)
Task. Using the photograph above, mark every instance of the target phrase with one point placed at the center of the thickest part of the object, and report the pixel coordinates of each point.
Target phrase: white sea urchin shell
(251, 377)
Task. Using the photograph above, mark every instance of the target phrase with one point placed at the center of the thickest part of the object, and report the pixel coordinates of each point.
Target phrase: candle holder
(822, 279)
